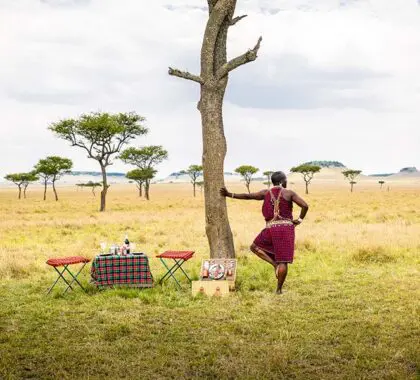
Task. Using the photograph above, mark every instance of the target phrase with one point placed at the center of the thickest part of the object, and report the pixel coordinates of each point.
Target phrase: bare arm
(303, 207)
(253, 196)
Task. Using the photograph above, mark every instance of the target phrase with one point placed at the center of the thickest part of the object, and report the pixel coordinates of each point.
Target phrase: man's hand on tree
(223, 192)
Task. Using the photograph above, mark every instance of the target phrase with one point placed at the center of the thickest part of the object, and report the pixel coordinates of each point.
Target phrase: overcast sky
(334, 80)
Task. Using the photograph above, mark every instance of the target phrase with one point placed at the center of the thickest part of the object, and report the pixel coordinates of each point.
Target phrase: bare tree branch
(185, 75)
(249, 56)
(236, 19)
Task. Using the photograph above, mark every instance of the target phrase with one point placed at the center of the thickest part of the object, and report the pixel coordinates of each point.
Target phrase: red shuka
(278, 239)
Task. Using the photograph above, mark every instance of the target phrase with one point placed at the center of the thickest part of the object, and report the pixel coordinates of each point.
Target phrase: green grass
(338, 321)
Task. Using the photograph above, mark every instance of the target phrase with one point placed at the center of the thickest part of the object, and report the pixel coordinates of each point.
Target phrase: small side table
(179, 258)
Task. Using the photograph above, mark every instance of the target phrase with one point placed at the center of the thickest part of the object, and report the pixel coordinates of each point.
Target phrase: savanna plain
(350, 308)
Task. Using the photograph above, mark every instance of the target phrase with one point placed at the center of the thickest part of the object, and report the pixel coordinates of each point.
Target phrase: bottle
(127, 245)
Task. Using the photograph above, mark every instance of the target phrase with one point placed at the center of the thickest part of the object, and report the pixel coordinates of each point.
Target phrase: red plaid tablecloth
(128, 270)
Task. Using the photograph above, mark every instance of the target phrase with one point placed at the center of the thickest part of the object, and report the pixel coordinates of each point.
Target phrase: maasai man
(276, 243)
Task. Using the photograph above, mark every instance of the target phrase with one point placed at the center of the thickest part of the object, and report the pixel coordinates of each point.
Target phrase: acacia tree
(28, 178)
(145, 158)
(90, 184)
(308, 171)
(247, 171)
(268, 174)
(140, 176)
(101, 135)
(213, 81)
(51, 169)
(194, 171)
(381, 183)
(22, 180)
(351, 175)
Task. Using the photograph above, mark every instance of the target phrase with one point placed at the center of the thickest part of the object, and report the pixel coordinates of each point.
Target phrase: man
(276, 243)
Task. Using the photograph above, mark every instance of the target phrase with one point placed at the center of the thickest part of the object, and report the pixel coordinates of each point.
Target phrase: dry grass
(351, 310)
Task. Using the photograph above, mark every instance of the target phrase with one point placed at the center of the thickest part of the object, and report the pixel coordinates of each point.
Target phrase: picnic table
(131, 270)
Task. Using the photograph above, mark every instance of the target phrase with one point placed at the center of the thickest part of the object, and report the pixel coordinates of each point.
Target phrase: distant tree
(21, 180)
(51, 169)
(381, 183)
(91, 184)
(101, 135)
(144, 158)
(247, 171)
(194, 171)
(307, 171)
(351, 175)
(140, 176)
(28, 178)
(268, 174)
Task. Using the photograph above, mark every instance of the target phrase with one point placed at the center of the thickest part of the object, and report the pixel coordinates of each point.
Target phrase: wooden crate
(230, 266)
(211, 288)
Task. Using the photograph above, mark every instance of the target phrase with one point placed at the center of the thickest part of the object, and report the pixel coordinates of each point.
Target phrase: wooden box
(211, 288)
(219, 270)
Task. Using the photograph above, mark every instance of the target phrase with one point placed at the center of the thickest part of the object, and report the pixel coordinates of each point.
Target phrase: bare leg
(262, 255)
(281, 272)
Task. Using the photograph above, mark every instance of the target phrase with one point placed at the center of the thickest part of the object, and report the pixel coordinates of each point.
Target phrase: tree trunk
(24, 190)
(218, 229)
(104, 188)
(20, 191)
(268, 181)
(45, 189)
(146, 189)
(194, 188)
(351, 187)
(93, 191)
(247, 187)
(55, 190)
(306, 186)
(213, 80)
(141, 190)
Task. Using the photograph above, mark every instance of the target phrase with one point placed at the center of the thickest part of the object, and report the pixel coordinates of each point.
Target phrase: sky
(334, 80)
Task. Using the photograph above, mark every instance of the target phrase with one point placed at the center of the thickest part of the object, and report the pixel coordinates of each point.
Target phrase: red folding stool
(65, 262)
(179, 257)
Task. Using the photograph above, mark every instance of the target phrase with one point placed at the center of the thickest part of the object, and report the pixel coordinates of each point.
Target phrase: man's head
(279, 178)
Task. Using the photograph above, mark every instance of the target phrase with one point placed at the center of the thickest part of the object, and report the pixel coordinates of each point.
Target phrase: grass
(350, 310)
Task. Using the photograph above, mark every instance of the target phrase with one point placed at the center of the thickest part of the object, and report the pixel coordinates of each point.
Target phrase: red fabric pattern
(185, 255)
(286, 207)
(67, 261)
(278, 241)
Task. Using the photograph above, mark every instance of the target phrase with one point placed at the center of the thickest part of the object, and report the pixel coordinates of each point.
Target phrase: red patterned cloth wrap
(278, 239)
(128, 270)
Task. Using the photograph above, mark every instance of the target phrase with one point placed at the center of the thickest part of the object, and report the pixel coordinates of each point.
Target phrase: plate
(216, 271)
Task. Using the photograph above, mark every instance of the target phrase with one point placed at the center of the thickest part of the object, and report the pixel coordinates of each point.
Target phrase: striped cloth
(127, 270)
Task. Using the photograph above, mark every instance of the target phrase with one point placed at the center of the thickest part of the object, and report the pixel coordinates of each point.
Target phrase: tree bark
(45, 189)
(55, 190)
(218, 229)
(24, 190)
(20, 191)
(306, 186)
(213, 80)
(351, 187)
(194, 189)
(140, 189)
(247, 187)
(104, 188)
(146, 189)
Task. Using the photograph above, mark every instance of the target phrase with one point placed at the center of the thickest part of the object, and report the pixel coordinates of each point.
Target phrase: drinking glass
(133, 247)
(103, 247)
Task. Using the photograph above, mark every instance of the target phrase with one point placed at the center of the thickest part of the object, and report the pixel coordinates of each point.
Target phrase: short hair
(278, 177)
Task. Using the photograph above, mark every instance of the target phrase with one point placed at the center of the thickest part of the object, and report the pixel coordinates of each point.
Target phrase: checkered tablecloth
(127, 270)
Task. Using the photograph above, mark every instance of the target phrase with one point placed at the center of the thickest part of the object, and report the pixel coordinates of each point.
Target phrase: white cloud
(334, 79)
